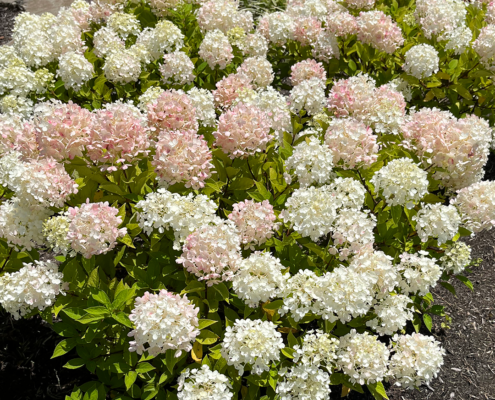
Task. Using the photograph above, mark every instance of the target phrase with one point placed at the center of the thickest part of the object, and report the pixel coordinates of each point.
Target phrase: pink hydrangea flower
(307, 30)
(62, 130)
(228, 89)
(173, 111)
(351, 96)
(352, 143)
(182, 156)
(380, 31)
(387, 109)
(342, 24)
(212, 253)
(119, 136)
(17, 135)
(94, 228)
(255, 221)
(307, 69)
(243, 131)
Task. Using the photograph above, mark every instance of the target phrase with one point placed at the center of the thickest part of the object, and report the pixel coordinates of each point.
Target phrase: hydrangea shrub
(205, 204)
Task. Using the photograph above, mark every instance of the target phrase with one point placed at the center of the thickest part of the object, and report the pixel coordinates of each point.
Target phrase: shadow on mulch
(26, 370)
(8, 12)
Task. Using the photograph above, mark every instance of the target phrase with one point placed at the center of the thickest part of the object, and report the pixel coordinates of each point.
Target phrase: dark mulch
(8, 11)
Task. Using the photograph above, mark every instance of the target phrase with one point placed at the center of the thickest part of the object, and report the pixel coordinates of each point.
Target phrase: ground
(27, 373)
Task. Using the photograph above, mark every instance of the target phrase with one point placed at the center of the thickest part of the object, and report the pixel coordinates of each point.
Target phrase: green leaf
(64, 347)
(144, 367)
(465, 280)
(75, 363)
(98, 310)
(263, 191)
(449, 287)
(428, 321)
(241, 184)
(127, 240)
(129, 379)
(206, 337)
(194, 286)
(123, 319)
(396, 213)
(274, 305)
(288, 352)
(122, 298)
(222, 289)
(377, 390)
(102, 297)
(204, 323)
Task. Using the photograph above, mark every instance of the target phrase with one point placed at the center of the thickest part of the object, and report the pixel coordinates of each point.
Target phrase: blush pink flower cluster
(228, 89)
(17, 135)
(243, 131)
(118, 136)
(352, 143)
(307, 69)
(459, 146)
(307, 30)
(182, 156)
(63, 130)
(380, 31)
(94, 228)
(212, 253)
(254, 221)
(172, 111)
(342, 24)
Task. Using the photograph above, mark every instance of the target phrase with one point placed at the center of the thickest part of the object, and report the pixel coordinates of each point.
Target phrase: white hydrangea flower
(326, 46)
(421, 61)
(253, 342)
(177, 69)
(308, 95)
(311, 162)
(124, 24)
(392, 314)
(17, 79)
(215, 49)
(401, 182)
(21, 224)
(458, 40)
(476, 204)
(55, 230)
(33, 286)
(439, 16)
(317, 349)
(280, 27)
(165, 37)
(456, 258)
(416, 360)
(304, 382)
(276, 107)
(363, 358)
(16, 105)
(378, 264)
(106, 41)
(402, 86)
(259, 279)
(437, 221)
(344, 294)
(163, 210)
(65, 34)
(203, 384)
(9, 57)
(204, 104)
(299, 294)
(149, 96)
(259, 71)
(419, 272)
(122, 67)
(163, 321)
(74, 70)
(254, 45)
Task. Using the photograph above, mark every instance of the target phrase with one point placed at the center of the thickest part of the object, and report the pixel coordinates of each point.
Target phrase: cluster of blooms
(223, 15)
(304, 381)
(203, 102)
(351, 143)
(212, 252)
(311, 163)
(318, 348)
(93, 228)
(259, 279)
(163, 210)
(258, 70)
(253, 342)
(401, 182)
(182, 156)
(438, 221)
(204, 384)
(312, 211)
(379, 30)
(42, 181)
(416, 360)
(483, 45)
(255, 222)
(74, 70)
(419, 272)
(177, 69)
(229, 89)
(421, 61)
(215, 49)
(242, 131)
(308, 95)
(476, 204)
(17, 136)
(456, 258)
(163, 321)
(392, 314)
(363, 357)
(460, 147)
(33, 286)
(381, 108)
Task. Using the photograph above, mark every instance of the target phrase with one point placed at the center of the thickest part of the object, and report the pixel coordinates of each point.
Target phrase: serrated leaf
(129, 379)
(123, 319)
